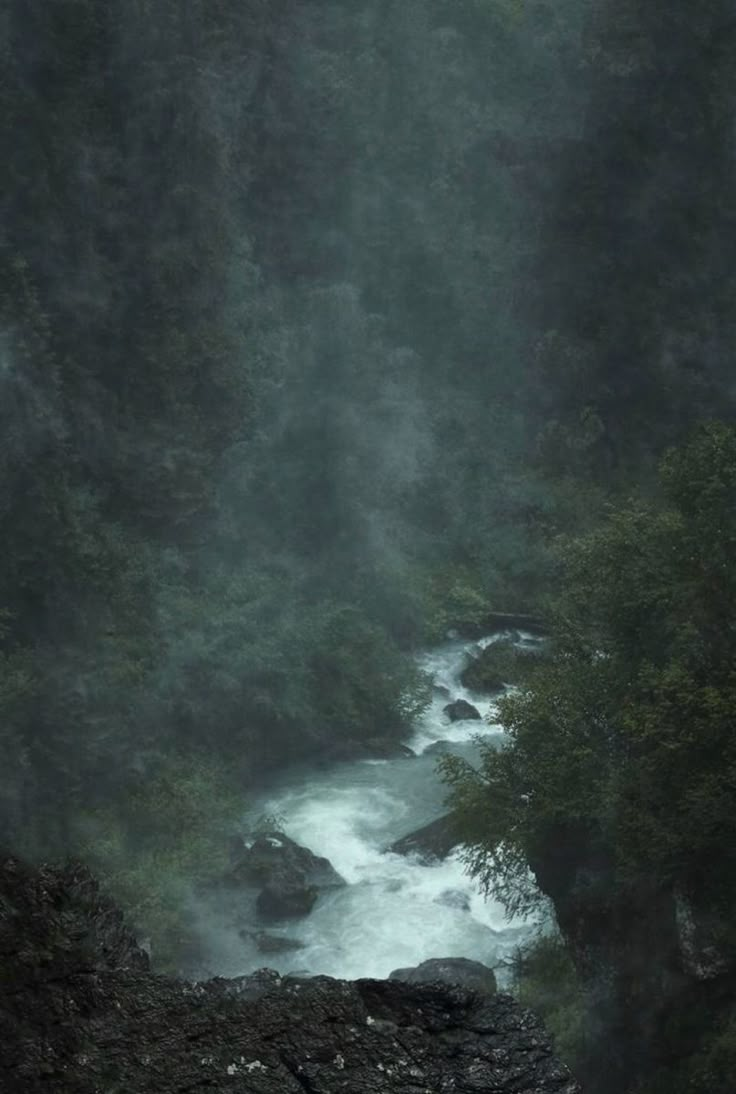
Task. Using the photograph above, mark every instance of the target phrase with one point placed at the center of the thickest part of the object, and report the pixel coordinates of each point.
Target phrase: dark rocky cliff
(81, 1011)
(657, 979)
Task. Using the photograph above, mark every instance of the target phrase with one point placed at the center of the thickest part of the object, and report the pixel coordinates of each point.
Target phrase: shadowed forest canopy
(263, 371)
(321, 323)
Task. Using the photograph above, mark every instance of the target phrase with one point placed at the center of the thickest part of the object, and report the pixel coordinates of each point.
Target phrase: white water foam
(396, 910)
(445, 666)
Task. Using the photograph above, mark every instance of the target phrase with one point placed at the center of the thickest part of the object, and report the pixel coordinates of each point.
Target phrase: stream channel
(396, 910)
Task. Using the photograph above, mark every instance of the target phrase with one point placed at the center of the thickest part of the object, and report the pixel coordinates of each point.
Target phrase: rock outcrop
(80, 1013)
(653, 982)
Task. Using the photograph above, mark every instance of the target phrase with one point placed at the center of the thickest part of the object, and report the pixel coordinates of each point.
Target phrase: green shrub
(544, 979)
(452, 597)
(152, 850)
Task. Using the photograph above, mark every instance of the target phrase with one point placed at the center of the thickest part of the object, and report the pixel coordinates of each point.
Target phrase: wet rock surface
(290, 877)
(285, 901)
(462, 711)
(432, 842)
(80, 1012)
(439, 748)
(472, 975)
(279, 861)
(272, 943)
(502, 663)
(454, 898)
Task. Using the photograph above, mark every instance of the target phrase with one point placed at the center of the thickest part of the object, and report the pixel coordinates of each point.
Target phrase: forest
(328, 329)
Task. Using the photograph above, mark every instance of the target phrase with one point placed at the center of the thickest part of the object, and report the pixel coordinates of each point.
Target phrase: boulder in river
(281, 900)
(471, 975)
(290, 876)
(454, 898)
(386, 748)
(462, 711)
(438, 748)
(80, 1013)
(503, 662)
(432, 842)
(279, 861)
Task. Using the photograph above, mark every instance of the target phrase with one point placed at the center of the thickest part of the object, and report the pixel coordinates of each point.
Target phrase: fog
(322, 326)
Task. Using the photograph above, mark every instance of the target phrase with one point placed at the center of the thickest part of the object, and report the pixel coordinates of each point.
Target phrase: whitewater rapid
(396, 910)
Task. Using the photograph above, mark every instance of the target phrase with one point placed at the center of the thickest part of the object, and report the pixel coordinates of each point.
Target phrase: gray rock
(471, 975)
(290, 876)
(503, 662)
(462, 711)
(80, 1013)
(283, 901)
(438, 748)
(432, 842)
(280, 862)
(454, 898)
(385, 748)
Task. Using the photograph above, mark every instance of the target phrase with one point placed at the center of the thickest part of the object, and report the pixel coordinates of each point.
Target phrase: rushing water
(395, 910)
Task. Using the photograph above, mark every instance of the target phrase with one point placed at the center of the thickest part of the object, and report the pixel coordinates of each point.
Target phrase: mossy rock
(499, 664)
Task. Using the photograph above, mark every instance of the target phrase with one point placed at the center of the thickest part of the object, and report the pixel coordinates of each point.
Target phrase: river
(395, 910)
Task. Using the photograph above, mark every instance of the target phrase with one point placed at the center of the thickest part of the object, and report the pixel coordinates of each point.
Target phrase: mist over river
(396, 910)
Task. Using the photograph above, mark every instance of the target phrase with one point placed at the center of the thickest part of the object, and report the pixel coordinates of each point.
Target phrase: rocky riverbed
(379, 822)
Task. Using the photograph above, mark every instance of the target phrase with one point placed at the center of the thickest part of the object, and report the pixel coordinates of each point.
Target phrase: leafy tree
(616, 782)
(626, 729)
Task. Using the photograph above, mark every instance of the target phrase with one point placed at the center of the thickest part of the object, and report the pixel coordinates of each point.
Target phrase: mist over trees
(262, 366)
(320, 323)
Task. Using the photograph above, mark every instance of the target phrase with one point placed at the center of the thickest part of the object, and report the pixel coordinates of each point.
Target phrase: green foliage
(151, 851)
(714, 1064)
(272, 415)
(451, 597)
(544, 979)
(626, 731)
(247, 403)
(274, 674)
(361, 684)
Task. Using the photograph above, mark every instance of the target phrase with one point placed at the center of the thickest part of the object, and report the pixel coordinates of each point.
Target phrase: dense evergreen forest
(327, 327)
